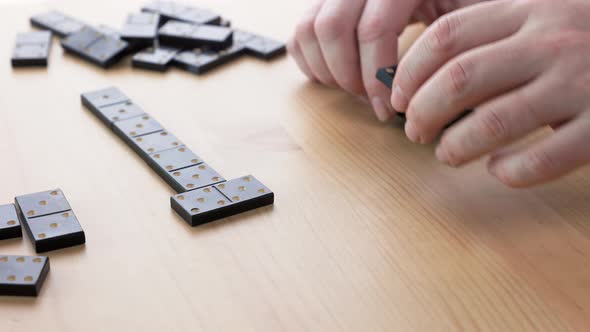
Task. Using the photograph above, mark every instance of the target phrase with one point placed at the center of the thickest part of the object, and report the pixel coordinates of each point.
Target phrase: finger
(504, 120)
(380, 24)
(560, 153)
(335, 27)
(310, 47)
(295, 51)
(450, 36)
(469, 79)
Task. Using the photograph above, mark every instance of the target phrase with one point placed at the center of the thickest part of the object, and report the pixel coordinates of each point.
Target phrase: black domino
(31, 49)
(109, 31)
(188, 35)
(49, 220)
(60, 24)
(174, 159)
(121, 111)
(170, 10)
(155, 58)
(10, 226)
(104, 97)
(219, 201)
(176, 164)
(141, 28)
(198, 61)
(386, 76)
(225, 22)
(136, 127)
(96, 47)
(193, 177)
(111, 105)
(22, 275)
(156, 142)
(42, 204)
(259, 46)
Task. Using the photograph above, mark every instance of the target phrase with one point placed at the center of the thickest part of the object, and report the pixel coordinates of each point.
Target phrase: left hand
(525, 64)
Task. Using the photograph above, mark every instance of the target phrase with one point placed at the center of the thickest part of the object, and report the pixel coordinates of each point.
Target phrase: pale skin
(525, 64)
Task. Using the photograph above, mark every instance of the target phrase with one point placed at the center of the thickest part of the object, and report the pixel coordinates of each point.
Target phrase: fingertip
(498, 169)
(380, 109)
(442, 155)
(412, 132)
(291, 46)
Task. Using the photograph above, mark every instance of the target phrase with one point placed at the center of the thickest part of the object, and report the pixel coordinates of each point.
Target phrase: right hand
(342, 43)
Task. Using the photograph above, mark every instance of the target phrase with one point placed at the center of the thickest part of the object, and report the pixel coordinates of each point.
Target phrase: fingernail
(442, 155)
(493, 166)
(362, 99)
(412, 133)
(380, 109)
(399, 101)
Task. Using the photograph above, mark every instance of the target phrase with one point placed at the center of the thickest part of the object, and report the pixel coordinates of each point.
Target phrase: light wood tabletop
(368, 231)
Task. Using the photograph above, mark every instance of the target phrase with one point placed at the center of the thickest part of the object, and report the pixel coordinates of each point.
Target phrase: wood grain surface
(368, 232)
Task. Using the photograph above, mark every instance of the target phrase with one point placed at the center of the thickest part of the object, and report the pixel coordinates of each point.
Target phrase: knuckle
(373, 86)
(329, 27)
(350, 83)
(374, 28)
(559, 42)
(540, 162)
(304, 30)
(531, 113)
(459, 74)
(405, 74)
(493, 125)
(444, 32)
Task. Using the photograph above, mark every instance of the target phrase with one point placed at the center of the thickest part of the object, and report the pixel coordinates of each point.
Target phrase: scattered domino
(199, 61)
(96, 47)
(225, 22)
(158, 58)
(258, 46)
(22, 275)
(191, 38)
(109, 31)
(188, 35)
(9, 222)
(42, 204)
(219, 201)
(141, 28)
(31, 49)
(60, 24)
(49, 220)
(175, 11)
(176, 164)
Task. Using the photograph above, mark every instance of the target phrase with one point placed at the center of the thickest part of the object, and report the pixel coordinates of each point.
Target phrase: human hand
(342, 43)
(526, 64)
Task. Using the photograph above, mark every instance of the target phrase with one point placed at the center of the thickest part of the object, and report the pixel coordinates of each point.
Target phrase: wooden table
(368, 232)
